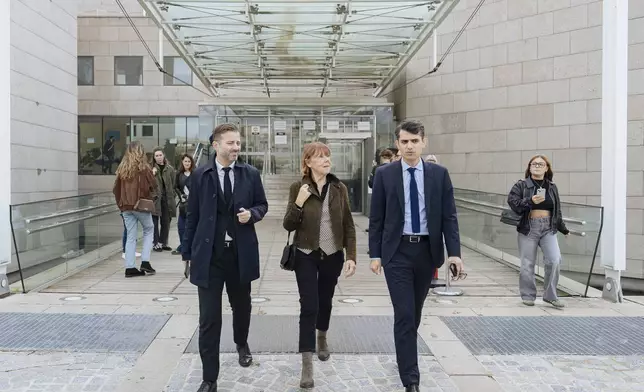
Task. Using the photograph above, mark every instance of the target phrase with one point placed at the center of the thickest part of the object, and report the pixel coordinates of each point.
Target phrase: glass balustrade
(54, 238)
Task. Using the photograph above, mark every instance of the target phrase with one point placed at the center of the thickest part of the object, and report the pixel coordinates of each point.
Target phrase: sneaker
(556, 303)
(132, 272)
(137, 255)
(157, 248)
(528, 302)
(147, 268)
(166, 247)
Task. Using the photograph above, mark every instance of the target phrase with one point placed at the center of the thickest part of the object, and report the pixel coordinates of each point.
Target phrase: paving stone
(63, 372)
(566, 373)
(79, 332)
(273, 334)
(281, 373)
(556, 335)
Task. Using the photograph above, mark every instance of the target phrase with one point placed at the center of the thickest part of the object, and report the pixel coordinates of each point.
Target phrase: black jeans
(408, 276)
(162, 233)
(317, 275)
(210, 312)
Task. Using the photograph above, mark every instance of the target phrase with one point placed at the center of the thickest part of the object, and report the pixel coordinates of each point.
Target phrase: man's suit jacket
(387, 216)
(201, 220)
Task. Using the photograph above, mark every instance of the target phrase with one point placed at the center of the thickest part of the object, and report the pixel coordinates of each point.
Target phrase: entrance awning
(300, 47)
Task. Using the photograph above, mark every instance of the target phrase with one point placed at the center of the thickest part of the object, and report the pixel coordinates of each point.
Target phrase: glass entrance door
(255, 134)
(347, 160)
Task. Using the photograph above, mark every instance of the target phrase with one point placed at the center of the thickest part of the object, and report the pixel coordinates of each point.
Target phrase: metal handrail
(498, 207)
(198, 150)
(482, 211)
(65, 213)
(69, 221)
(60, 198)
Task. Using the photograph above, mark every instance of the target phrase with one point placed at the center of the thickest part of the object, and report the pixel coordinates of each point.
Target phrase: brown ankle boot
(306, 381)
(323, 347)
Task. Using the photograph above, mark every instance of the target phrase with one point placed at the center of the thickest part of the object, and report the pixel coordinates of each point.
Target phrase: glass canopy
(300, 46)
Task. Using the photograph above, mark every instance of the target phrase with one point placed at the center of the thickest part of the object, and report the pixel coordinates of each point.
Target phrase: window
(90, 132)
(178, 72)
(85, 70)
(102, 140)
(128, 71)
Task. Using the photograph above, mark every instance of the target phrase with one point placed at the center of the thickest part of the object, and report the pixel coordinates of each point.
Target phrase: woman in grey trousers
(536, 199)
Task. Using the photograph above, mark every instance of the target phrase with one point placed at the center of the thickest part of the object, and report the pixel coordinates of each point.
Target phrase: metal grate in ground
(550, 335)
(78, 332)
(277, 334)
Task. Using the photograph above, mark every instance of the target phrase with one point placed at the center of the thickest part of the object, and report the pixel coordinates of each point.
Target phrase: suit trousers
(317, 275)
(224, 271)
(408, 276)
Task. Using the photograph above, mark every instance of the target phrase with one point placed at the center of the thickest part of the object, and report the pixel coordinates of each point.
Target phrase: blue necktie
(413, 200)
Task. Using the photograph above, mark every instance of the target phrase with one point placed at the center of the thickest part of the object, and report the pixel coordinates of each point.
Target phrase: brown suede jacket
(305, 221)
(128, 192)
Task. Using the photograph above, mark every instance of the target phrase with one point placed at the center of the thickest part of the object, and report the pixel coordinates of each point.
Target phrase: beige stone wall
(43, 100)
(525, 78)
(107, 37)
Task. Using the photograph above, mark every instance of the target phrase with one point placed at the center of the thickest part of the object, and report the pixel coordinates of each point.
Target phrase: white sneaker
(123, 255)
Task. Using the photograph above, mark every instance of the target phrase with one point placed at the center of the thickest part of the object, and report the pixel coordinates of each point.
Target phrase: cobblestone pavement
(63, 372)
(566, 373)
(281, 373)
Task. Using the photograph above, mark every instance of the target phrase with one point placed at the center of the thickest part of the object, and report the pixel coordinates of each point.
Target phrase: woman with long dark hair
(536, 199)
(182, 190)
(165, 176)
(135, 183)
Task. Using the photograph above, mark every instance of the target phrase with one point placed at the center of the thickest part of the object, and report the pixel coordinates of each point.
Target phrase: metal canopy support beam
(614, 144)
(346, 11)
(5, 129)
(254, 31)
(151, 9)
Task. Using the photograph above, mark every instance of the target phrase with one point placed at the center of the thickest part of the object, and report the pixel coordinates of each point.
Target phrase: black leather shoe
(245, 357)
(208, 386)
(412, 388)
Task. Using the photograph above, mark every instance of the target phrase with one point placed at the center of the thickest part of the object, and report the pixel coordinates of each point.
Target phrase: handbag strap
(288, 240)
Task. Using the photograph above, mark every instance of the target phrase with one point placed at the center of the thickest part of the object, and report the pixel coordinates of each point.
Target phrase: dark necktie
(228, 186)
(413, 201)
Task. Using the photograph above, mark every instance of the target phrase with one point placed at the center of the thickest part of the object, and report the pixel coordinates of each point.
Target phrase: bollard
(447, 290)
(436, 282)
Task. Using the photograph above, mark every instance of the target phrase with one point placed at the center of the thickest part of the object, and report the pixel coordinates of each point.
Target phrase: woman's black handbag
(288, 255)
(510, 217)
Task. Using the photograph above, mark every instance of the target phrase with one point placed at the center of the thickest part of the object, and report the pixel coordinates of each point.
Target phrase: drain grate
(78, 332)
(550, 335)
(347, 335)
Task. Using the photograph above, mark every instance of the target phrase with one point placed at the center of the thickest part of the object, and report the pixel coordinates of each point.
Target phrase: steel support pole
(614, 143)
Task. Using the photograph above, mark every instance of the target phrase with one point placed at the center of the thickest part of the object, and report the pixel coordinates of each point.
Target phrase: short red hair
(312, 150)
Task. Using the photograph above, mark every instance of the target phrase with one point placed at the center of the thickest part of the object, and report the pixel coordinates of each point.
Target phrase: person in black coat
(182, 189)
(220, 245)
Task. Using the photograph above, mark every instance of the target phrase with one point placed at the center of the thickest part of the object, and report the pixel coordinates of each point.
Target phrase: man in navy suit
(412, 209)
(226, 200)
